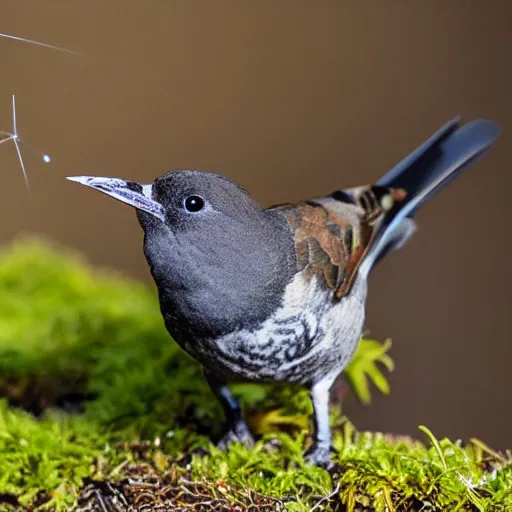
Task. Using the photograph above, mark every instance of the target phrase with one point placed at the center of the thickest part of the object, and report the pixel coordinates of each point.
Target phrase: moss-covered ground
(100, 410)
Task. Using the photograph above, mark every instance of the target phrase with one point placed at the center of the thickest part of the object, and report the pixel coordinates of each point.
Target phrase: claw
(239, 433)
(319, 455)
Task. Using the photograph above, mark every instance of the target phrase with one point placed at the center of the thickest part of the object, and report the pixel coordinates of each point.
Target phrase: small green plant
(101, 409)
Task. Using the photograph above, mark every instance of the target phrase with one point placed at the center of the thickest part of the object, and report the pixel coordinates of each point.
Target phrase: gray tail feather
(428, 169)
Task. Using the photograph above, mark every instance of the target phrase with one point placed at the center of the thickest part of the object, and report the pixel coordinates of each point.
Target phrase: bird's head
(203, 214)
(179, 199)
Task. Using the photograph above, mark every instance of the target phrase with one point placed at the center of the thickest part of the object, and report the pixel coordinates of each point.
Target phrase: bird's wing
(350, 231)
(333, 234)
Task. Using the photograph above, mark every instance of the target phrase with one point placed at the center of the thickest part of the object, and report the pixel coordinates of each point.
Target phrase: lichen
(102, 411)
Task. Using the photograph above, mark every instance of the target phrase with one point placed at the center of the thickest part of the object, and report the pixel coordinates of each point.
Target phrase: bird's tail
(434, 164)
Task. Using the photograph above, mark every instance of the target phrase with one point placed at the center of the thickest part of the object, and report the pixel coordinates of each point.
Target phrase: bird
(278, 294)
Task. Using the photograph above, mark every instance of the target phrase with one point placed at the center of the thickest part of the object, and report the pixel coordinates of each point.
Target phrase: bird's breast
(308, 336)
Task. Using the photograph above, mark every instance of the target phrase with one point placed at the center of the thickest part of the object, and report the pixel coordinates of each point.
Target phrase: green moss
(139, 417)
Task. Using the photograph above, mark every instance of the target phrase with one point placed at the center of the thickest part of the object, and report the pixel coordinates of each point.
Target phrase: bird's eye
(193, 203)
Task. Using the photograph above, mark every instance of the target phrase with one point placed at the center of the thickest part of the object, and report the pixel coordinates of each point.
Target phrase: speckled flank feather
(308, 337)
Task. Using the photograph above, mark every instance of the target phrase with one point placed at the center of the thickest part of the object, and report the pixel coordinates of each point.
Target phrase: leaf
(435, 444)
(276, 420)
(364, 368)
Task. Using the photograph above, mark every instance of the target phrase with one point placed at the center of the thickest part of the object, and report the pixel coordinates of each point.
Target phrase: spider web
(13, 135)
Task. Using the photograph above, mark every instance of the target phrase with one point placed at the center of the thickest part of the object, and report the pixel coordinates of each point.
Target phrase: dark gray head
(219, 260)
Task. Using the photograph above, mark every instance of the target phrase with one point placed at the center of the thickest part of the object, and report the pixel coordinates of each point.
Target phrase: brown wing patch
(320, 241)
(332, 244)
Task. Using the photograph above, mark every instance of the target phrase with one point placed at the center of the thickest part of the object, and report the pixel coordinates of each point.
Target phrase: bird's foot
(319, 455)
(238, 433)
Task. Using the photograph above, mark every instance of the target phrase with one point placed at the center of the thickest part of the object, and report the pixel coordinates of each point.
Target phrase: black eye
(193, 203)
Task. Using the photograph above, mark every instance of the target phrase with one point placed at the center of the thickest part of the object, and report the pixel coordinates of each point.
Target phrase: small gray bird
(278, 294)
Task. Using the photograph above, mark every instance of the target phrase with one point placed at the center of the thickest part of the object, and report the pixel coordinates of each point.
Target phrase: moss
(101, 410)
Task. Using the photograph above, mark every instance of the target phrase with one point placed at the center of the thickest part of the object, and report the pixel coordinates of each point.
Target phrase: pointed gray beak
(129, 192)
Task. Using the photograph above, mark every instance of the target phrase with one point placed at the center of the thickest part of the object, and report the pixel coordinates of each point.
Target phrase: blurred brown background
(291, 99)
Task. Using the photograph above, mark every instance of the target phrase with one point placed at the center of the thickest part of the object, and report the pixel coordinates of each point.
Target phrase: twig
(327, 498)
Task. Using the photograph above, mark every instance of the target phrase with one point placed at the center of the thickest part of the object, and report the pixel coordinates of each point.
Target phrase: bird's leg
(237, 429)
(320, 451)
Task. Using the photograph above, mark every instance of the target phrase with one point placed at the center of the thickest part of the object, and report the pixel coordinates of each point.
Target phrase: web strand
(17, 146)
(14, 137)
(39, 43)
(7, 139)
(14, 129)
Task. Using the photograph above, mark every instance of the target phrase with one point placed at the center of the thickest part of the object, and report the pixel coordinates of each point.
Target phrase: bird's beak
(129, 192)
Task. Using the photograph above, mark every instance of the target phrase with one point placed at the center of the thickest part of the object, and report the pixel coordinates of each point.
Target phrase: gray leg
(320, 451)
(237, 430)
